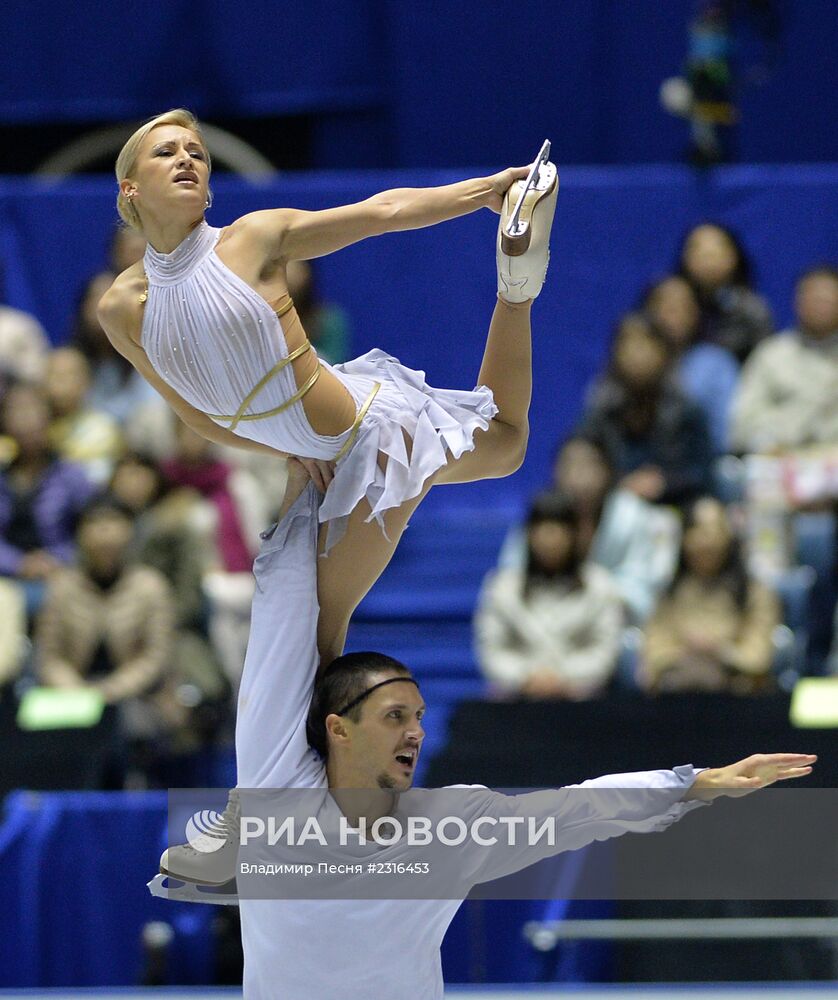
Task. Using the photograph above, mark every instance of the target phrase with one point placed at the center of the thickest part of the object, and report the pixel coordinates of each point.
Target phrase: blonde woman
(206, 318)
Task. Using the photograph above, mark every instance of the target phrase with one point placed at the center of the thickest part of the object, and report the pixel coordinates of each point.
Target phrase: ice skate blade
(168, 887)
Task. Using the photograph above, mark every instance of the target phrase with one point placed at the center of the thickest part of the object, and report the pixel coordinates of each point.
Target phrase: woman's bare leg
(356, 562)
(507, 371)
(352, 566)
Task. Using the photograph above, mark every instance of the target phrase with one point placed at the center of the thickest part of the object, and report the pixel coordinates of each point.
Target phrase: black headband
(375, 687)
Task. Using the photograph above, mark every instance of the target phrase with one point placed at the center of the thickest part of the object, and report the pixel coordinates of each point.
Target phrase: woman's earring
(209, 199)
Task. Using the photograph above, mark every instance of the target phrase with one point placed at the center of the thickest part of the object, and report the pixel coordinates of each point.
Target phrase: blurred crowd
(686, 541)
(126, 541)
(682, 542)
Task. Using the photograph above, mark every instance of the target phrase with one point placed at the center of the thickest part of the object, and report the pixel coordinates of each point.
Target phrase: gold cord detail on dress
(353, 433)
(237, 417)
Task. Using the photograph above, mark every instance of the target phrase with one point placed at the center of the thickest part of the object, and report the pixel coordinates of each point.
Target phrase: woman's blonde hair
(127, 159)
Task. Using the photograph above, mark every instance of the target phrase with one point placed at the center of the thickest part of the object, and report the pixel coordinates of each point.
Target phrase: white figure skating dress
(221, 346)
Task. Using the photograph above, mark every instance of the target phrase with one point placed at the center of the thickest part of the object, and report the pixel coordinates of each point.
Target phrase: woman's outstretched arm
(293, 234)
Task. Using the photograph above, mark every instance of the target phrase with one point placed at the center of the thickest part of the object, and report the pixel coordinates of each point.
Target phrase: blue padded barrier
(439, 649)
(74, 896)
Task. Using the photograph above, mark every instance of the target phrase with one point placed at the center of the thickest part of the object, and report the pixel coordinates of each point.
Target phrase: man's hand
(746, 776)
(544, 685)
(37, 565)
(700, 643)
(500, 183)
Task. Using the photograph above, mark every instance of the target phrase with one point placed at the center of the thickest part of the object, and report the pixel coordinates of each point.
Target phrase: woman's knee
(512, 449)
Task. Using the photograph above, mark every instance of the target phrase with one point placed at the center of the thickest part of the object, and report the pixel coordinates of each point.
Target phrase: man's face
(817, 304)
(384, 744)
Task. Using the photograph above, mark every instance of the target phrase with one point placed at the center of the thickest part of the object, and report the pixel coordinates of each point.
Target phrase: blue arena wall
(427, 296)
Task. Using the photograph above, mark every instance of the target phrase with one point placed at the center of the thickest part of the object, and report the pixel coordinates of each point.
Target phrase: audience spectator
(636, 541)
(233, 497)
(733, 315)
(40, 495)
(239, 514)
(713, 630)
(166, 539)
(326, 325)
(657, 436)
(23, 347)
(788, 394)
(79, 433)
(13, 642)
(108, 625)
(551, 629)
(706, 372)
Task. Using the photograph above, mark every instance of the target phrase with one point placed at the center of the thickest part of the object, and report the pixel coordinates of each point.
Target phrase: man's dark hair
(340, 684)
(742, 276)
(593, 440)
(104, 505)
(146, 461)
(733, 574)
(558, 508)
(819, 271)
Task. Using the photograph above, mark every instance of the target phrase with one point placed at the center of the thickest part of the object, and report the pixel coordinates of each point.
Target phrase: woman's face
(709, 257)
(673, 307)
(817, 304)
(552, 543)
(582, 472)
(641, 361)
(171, 176)
(67, 380)
(135, 485)
(103, 540)
(26, 420)
(708, 539)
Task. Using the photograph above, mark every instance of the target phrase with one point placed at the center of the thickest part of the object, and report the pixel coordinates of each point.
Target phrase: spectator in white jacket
(552, 628)
(789, 386)
(634, 540)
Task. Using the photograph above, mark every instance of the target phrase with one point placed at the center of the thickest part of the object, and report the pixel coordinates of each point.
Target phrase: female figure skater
(206, 318)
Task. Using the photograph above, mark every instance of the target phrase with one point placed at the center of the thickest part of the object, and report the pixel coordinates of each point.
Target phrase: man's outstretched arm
(615, 804)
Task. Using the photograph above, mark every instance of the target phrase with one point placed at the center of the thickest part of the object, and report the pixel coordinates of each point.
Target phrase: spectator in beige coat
(106, 624)
(788, 391)
(713, 630)
(551, 629)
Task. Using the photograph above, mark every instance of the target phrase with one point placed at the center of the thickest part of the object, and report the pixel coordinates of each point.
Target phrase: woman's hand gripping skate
(501, 182)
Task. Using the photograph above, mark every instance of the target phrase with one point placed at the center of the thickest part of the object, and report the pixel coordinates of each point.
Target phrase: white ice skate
(203, 870)
(523, 246)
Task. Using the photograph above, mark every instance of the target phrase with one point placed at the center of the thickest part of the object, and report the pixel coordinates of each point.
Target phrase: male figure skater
(356, 733)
